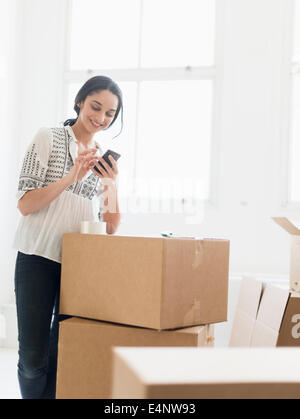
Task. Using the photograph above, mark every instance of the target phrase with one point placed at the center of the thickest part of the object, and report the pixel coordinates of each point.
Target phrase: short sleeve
(35, 163)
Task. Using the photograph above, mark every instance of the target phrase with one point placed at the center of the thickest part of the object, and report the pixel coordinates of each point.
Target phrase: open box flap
(272, 306)
(287, 225)
(246, 312)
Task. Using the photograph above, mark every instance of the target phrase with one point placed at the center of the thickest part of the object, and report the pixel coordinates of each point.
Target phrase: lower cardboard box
(189, 373)
(85, 352)
(266, 315)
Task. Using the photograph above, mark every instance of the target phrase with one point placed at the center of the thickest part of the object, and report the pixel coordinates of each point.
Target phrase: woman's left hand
(109, 172)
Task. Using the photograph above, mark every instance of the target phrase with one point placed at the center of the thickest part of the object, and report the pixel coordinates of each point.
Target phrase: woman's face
(98, 111)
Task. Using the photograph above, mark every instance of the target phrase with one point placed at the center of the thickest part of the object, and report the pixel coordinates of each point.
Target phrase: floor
(9, 386)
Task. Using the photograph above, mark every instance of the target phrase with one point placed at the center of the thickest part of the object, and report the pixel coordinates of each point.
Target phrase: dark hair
(95, 85)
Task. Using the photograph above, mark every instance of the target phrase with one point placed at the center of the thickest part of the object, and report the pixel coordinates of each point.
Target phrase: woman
(56, 189)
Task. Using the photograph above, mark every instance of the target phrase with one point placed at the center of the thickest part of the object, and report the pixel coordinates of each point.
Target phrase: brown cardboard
(269, 316)
(85, 352)
(288, 226)
(154, 282)
(273, 320)
(290, 327)
(222, 373)
(247, 307)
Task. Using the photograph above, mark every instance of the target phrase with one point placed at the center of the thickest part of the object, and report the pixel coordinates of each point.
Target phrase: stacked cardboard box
(134, 291)
(85, 352)
(267, 314)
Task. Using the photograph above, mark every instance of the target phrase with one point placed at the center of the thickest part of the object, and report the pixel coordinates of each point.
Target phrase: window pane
(178, 33)
(102, 38)
(295, 146)
(174, 134)
(104, 34)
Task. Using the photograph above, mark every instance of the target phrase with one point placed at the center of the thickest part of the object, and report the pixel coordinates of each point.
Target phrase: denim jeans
(37, 287)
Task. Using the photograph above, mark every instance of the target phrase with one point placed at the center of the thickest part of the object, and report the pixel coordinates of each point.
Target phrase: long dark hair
(95, 85)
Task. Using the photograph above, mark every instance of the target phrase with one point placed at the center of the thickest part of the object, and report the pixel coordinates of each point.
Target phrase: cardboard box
(189, 373)
(154, 282)
(266, 315)
(288, 226)
(85, 352)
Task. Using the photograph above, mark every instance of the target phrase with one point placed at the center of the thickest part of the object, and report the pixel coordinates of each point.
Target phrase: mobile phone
(115, 156)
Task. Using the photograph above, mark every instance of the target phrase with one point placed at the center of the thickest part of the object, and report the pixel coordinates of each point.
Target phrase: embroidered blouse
(49, 157)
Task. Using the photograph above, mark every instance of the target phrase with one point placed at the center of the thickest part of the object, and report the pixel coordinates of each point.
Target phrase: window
(161, 53)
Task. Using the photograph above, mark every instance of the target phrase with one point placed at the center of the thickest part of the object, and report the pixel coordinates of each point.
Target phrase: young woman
(56, 189)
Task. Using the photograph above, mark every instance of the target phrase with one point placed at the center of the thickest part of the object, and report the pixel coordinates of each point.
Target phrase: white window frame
(213, 73)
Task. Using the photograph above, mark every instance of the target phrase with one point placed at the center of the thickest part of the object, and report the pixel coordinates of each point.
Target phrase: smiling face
(98, 111)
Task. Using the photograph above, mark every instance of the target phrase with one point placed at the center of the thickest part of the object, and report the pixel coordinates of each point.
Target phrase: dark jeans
(37, 286)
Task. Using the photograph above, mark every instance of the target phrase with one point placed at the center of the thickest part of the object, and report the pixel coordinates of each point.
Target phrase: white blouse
(49, 157)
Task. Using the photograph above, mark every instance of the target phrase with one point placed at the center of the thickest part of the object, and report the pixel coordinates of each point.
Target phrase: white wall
(41, 48)
(252, 70)
(9, 122)
(31, 44)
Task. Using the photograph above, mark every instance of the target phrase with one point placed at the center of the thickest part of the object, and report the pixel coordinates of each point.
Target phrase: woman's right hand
(83, 163)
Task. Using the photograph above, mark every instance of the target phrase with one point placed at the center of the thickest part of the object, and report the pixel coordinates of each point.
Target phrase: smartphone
(115, 156)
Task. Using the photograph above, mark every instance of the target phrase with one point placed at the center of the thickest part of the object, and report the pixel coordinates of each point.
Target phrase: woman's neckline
(72, 134)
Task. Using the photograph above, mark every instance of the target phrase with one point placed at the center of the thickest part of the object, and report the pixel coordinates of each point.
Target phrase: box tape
(193, 314)
(210, 334)
(198, 253)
